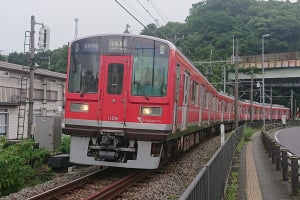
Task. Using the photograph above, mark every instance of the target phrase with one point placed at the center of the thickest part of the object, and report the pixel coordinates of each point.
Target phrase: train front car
(118, 110)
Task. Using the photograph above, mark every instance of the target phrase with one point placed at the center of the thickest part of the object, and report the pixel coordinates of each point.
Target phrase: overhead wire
(155, 7)
(130, 13)
(147, 10)
(138, 13)
(159, 12)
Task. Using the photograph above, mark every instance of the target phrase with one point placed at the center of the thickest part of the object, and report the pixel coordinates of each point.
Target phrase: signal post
(43, 45)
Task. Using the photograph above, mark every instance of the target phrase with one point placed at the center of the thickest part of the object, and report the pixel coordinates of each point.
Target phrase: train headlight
(79, 107)
(151, 111)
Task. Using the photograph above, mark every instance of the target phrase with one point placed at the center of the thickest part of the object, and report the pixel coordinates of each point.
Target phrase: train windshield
(150, 68)
(84, 66)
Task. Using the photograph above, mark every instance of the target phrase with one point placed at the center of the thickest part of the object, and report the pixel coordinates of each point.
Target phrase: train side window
(208, 99)
(201, 98)
(195, 93)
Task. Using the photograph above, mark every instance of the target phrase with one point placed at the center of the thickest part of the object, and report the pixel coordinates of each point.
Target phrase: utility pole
(236, 89)
(31, 78)
(76, 28)
(44, 45)
(271, 102)
(224, 89)
(251, 97)
(292, 104)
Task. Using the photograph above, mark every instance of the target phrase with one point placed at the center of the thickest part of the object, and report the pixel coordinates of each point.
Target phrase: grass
(233, 187)
(247, 134)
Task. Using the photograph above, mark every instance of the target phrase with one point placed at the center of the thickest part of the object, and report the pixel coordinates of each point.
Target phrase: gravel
(25, 193)
(169, 182)
(172, 180)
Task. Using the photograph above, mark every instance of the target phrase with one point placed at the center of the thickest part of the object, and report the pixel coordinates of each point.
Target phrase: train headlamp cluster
(151, 111)
(79, 107)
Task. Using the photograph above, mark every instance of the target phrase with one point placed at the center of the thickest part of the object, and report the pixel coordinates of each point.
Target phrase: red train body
(128, 96)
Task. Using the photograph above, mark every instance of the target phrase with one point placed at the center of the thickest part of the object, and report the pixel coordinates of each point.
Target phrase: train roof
(171, 45)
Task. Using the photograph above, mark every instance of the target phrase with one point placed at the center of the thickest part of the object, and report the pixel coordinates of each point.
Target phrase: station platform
(258, 179)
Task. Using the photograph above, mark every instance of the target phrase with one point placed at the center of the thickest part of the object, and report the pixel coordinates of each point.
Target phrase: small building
(48, 97)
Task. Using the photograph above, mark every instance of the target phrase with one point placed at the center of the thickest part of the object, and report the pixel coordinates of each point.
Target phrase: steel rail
(119, 186)
(47, 195)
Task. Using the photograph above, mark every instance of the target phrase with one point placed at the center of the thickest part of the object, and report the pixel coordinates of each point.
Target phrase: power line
(156, 20)
(132, 8)
(130, 13)
(159, 12)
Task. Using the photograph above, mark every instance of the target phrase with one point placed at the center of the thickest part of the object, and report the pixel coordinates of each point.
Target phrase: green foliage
(17, 163)
(248, 132)
(212, 24)
(65, 144)
(55, 60)
(231, 190)
(2, 58)
(18, 58)
(59, 59)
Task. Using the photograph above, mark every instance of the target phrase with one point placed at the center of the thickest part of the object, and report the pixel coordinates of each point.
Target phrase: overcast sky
(95, 17)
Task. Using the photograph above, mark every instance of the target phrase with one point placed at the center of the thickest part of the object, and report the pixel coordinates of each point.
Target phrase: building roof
(15, 67)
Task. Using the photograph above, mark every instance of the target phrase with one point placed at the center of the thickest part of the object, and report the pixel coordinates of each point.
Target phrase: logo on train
(142, 120)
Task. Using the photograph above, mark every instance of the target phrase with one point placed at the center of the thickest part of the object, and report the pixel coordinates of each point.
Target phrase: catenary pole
(31, 79)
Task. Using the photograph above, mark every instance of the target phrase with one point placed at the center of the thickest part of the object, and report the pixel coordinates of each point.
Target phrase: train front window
(150, 68)
(84, 66)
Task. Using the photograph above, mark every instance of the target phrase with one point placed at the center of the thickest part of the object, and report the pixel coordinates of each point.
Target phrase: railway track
(111, 190)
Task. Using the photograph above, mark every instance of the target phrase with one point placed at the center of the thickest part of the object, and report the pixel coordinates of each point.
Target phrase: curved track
(113, 185)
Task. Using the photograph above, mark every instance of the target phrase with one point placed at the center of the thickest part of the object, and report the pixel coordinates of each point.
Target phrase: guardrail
(210, 182)
(285, 161)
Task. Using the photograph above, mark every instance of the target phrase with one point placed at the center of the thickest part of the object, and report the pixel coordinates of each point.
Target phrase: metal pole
(292, 104)
(224, 80)
(263, 76)
(251, 97)
(31, 78)
(236, 90)
(271, 102)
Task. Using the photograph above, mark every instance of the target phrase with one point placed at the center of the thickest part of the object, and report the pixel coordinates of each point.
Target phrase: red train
(132, 99)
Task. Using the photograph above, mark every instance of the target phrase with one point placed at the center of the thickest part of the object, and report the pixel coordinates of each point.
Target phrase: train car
(131, 99)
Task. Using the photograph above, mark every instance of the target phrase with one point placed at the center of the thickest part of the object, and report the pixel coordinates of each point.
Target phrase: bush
(65, 144)
(248, 132)
(17, 164)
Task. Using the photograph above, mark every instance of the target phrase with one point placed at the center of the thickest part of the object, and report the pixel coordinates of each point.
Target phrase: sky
(94, 17)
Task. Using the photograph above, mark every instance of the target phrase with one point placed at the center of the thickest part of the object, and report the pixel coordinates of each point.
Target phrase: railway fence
(285, 161)
(210, 181)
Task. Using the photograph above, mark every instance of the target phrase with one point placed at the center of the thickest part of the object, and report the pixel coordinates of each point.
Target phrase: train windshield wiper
(82, 92)
(140, 89)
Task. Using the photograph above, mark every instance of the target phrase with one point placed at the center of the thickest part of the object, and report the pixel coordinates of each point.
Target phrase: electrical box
(48, 132)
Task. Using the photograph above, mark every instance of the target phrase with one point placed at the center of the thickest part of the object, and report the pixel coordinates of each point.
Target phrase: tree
(2, 58)
(212, 24)
(55, 60)
(18, 58)
(59, 59)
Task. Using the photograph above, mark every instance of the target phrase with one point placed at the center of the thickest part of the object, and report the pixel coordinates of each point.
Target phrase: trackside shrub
(17, 163)
(65, 144)
(248, 132)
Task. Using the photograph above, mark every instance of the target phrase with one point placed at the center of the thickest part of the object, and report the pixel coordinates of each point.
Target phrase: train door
(222, 110)
(177, 88)
(186, 90)
(201, 104)
(209, 103)
(112, 107)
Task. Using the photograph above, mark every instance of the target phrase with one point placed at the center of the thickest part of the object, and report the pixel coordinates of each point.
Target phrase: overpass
(282, 78)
